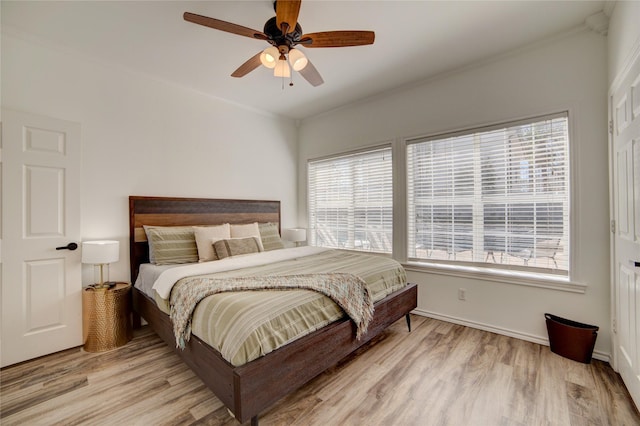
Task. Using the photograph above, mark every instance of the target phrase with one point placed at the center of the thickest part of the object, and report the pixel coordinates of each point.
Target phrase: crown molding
(598, 22)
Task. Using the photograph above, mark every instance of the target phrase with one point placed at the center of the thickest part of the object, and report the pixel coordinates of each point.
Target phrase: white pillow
(206, 236)
(247, 230)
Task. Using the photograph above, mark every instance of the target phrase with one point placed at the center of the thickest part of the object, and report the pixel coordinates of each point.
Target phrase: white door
(625, 137)
(41, 286)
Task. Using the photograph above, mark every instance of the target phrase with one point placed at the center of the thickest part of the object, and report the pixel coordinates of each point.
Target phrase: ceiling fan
(283, 33)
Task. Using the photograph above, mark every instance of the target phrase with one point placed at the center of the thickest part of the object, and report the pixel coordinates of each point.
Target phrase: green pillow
(236, 246)
(171, 244)
(270, 236)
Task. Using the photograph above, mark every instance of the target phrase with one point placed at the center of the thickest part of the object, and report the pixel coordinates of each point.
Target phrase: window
(350, 201)
(496, 196)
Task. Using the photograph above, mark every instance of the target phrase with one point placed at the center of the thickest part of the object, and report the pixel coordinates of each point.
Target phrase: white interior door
(625, 114)
(41, 286)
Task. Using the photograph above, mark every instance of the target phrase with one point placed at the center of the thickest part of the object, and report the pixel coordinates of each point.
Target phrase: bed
(250, 388)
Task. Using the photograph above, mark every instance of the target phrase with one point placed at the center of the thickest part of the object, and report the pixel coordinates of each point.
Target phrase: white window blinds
(350, 201)
(497, 196)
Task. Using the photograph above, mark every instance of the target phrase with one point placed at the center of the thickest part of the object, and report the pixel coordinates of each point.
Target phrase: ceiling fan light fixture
(283, 32)
(282, 69)
(297, 59)
(269, 56)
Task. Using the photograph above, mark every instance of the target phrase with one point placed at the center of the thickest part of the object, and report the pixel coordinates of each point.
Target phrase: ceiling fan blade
(247, 67)
(311, 74)
(224, 26)
(337, 39)
(287, 12)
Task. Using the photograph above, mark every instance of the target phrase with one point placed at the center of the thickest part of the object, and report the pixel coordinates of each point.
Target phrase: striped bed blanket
(349, 291)
(245, 325)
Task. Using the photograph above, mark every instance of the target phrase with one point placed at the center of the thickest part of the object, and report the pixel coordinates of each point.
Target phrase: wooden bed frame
(249, 389)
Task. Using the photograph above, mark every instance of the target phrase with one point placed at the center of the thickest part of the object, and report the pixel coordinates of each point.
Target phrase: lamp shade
(269, 57)
(294, 234)
(282, 69)
(297, 59)
(100, 252)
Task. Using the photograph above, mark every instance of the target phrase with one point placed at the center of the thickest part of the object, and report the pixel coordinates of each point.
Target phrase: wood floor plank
(476, 360)
(407, 383)
(427, 394)
(208, 404)
(609, 387)
(581, 411)
(552, 406)
(490, 405)
(162, 409)
(522, 389)
(439, 374)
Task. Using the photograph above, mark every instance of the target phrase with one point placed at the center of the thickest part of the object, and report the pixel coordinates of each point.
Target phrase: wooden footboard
(249, 389)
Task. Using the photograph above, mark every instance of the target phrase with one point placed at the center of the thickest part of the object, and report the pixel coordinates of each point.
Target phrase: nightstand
(106, 317)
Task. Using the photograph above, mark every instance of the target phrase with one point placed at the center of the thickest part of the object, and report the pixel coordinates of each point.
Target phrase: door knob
(70, 246)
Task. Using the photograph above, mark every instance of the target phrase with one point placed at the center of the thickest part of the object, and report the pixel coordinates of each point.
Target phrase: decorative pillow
(236, 246)
(171, 244)
(270, 236)
(206, 236)
(247, 230)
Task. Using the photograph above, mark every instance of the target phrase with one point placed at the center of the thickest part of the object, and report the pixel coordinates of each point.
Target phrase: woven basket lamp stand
(106, 306)
(106, 315)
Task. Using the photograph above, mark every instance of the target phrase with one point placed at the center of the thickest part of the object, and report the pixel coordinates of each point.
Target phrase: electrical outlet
(462, 294)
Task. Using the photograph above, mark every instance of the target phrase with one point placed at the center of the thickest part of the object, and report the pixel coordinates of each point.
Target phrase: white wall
(141, 136)
(567, 73)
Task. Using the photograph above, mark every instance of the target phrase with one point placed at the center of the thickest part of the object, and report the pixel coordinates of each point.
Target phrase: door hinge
(613, 226)
(614, 326)
(611, 127)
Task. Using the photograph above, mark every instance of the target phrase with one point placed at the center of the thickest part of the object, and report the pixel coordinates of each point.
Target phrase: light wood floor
(439, 374)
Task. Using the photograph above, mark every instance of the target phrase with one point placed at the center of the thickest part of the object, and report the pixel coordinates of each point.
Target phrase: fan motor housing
(277, 38)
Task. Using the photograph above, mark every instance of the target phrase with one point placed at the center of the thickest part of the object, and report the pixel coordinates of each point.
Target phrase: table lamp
(297, 235)
(100, 254)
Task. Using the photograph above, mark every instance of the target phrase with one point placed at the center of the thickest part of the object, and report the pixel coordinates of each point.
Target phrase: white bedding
(148, 274)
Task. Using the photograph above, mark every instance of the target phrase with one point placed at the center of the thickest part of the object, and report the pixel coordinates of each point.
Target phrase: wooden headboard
(173, 211)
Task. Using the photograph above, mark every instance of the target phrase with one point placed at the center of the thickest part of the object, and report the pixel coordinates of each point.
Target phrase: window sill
(498, 275)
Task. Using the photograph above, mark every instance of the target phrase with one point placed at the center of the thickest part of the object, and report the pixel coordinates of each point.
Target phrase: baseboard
(602, 356)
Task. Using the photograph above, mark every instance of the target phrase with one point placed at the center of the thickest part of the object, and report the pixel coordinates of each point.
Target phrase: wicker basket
(106, 317)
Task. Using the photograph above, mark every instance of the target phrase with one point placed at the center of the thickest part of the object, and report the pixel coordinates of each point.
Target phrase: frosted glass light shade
(294, 234)
(297, 59)
(282, 69)
(100, 252)
(269, 57)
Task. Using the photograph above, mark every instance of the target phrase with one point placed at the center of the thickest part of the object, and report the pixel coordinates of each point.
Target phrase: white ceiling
(415, 40)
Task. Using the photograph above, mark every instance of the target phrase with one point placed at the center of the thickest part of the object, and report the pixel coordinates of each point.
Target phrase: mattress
(246, 325)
